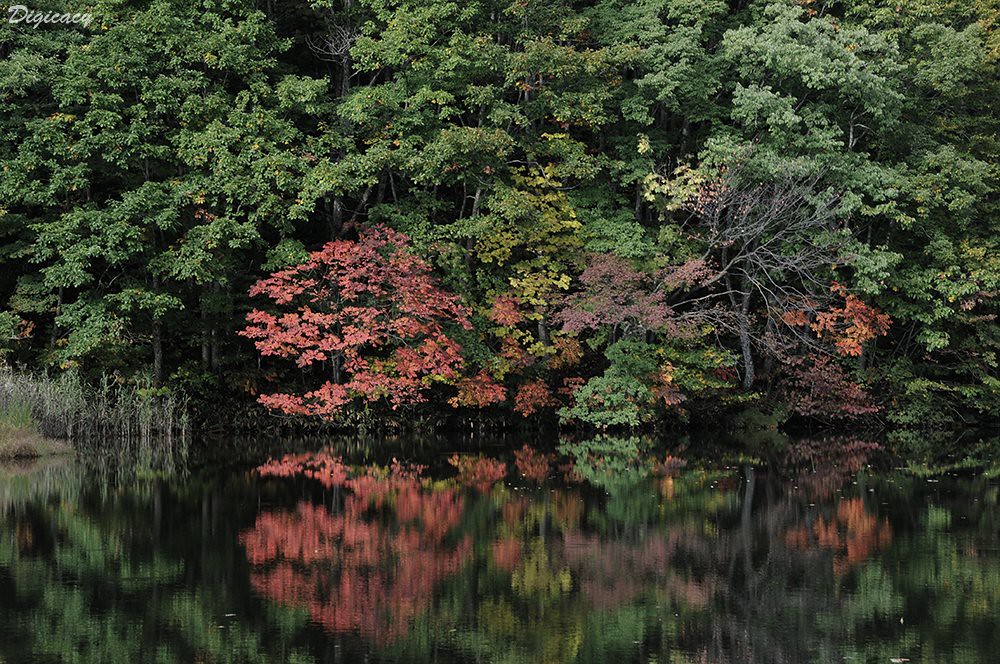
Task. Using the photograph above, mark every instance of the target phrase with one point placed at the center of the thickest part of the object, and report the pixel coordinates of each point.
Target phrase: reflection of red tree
(567, 509)
(853, 535)
(507, 553)
(356, 570)
(478, 471)
(612, 573)
(824, 464)
(513, 511)
(532, 464)
(327, 469)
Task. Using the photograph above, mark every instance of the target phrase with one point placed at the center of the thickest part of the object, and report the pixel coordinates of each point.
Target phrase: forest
(602, 213)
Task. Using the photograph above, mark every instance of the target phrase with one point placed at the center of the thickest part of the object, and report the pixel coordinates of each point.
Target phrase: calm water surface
(826, 553)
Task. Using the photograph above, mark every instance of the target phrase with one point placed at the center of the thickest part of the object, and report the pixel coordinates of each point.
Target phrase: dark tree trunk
(745, 345)
(214, 337)
(157, 342)
(54, 334)
(336, 218)
(543, 332)
(157, 353)
(770, 341)
(206, 353)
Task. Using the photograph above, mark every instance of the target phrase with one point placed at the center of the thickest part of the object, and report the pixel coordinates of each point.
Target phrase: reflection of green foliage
(874, 599)
(609, 462)
(620, 630)
(698, 492)
(621, 467)
(931, 453)
(99, 591)
(554, 636)
(938, 593)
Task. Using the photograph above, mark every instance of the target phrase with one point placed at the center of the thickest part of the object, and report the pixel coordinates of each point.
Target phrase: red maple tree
(614, 294)
(533, 397)
(370, 314)
(819, 387)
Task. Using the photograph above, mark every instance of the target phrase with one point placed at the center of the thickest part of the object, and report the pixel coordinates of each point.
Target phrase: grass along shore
(21, 437)
(45, 415)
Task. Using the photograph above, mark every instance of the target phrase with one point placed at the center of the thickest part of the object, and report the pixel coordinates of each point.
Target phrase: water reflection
(814, 552)
(367, 562)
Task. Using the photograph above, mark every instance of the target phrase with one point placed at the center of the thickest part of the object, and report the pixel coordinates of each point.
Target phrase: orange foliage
(848, 327)
(568, 353)
(852, 534)
(664, 388)
(533, 397)
(478, 391)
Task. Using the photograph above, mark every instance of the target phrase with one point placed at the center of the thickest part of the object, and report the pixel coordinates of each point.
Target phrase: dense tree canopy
(611, 211)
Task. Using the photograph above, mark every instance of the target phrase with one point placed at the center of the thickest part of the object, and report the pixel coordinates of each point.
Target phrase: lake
(828, 549)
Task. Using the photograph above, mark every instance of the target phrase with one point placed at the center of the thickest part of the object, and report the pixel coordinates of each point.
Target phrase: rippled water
(821, 555)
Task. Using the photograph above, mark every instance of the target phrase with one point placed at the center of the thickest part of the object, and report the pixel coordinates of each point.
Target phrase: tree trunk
(770, 343)
(54, 333)
(346, 65)
(543, 332)
(336, 218)
(214, 338)
(470, 242)
(206, 355)
(745, 346)
(748, 372)
(157, 353)
(157, 342)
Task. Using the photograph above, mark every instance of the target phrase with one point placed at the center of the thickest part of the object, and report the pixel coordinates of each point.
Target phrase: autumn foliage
(532, 397)
(369, 314)
(324, 468)
(389, 553)
(822, 465)
(847, 327)
(817, 386)
(614, 293)
(366, 321)
(478, 391)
